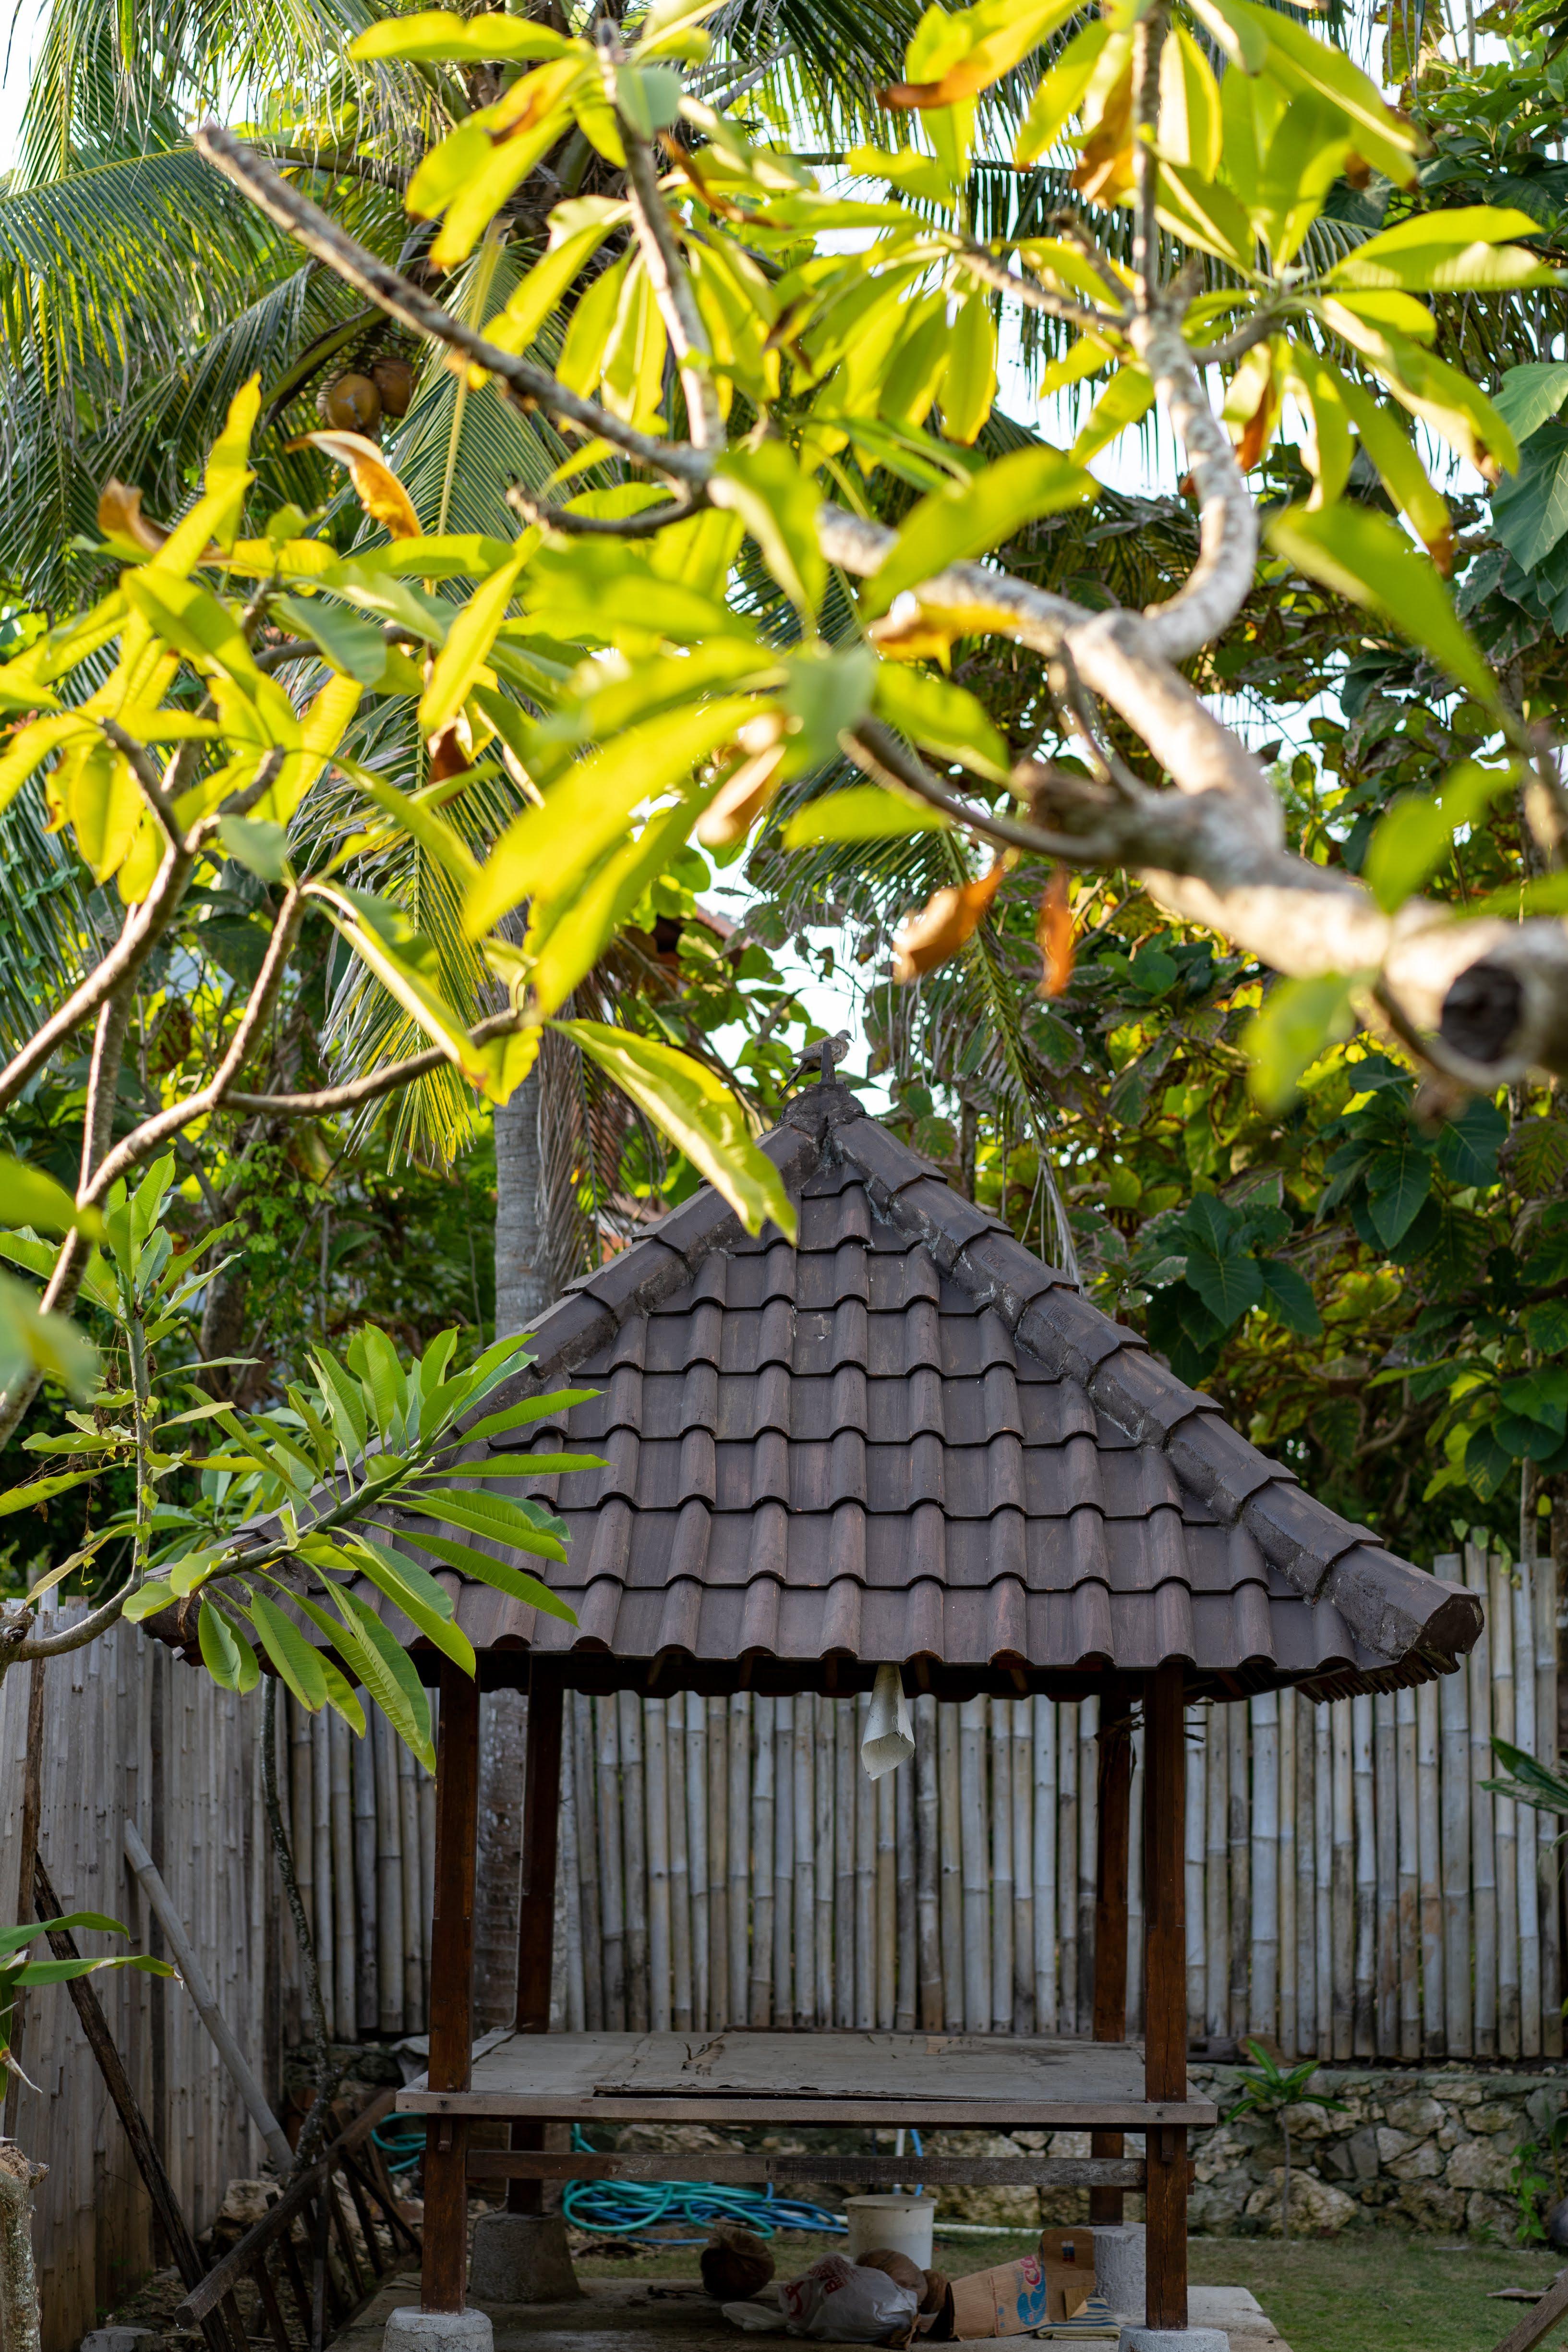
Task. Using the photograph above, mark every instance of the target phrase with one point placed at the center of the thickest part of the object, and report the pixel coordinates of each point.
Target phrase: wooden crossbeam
(875, 2171)
(1537, 2324)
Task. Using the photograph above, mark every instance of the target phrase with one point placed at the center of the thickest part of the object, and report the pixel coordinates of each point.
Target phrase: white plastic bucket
(890, 2225)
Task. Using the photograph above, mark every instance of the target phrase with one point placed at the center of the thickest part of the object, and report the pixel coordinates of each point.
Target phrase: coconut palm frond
(51, 931)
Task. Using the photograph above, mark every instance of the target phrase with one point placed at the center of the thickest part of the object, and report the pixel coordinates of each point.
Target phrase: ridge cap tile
(1068, 1333)
(641, 1275)
(998, 1269)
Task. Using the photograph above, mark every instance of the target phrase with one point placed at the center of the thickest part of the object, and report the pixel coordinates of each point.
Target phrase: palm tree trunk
(522, 1252)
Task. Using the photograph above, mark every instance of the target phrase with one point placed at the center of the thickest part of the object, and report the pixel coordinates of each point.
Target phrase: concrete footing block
(1120, 2274)
(522, 2258)
(1174, 2339)
(409, 2329)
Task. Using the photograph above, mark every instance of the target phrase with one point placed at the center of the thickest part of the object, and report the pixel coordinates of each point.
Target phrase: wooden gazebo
(903, 1441)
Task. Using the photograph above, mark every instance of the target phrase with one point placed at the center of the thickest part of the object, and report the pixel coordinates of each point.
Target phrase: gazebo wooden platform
(903, 1442)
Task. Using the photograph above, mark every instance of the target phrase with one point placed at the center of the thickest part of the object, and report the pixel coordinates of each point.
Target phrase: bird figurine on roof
(820, 1060)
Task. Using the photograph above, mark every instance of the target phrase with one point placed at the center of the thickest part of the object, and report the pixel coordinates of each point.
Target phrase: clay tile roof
(906, 1439)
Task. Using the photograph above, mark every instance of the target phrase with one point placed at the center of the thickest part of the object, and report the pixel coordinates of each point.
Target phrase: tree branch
(1035, 297)
(666, 271)
(384, 1081)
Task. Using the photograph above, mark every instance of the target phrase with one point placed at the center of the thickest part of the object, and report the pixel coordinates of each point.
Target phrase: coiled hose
(637, 2208)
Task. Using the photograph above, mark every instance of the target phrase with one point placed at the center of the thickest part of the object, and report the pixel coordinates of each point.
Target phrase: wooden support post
(1164, 2029)
(536, 1912)
(1112, 1815)
(445, 2276)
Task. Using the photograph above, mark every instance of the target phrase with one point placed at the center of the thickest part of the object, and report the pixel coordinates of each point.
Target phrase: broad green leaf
(860, 812)
(416, 814)
(397, 1669)
(521, 1416)
(1360, 554)
(1403, 475)
(1060, 91)
(1468, 1143)
(498, 1518)
(1429, 387)
(394, 1570)
(30, 1197)
(1228, 1286)
(1204, 214)
(297, 1660)
(408, 986)
(381, 1377)
(968, 387)
(537, 296)
(500, 1573)
(1126, 399)
(31, 746)
(261, 848)
(344, 1402)
(1235, 31)
(436, 36)
(148, 1600)
(699, 1113)
(1302, 62)
(468, 643)
(226, 1655)
(1289, 1297)
(355, 647)
(1530, 511)
(951, 525)
(44, 1490)
(1414, 839)
(778, 503)
(995, 37)
(1528, 395)
(437, 1625)
(574, 931)
(1398, 1179)
(1298, 1018)
(1189, 128)
(941, 717)
(1449, 250)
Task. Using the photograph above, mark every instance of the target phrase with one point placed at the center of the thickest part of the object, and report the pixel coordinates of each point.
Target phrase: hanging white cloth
(889, 1739)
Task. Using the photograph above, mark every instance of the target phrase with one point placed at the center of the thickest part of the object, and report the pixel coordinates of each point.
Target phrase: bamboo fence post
(1345, 1942)
(634, 1858)
(1290, 2023)
(1429, 1867)
(845, 1767)
(368, 1918)
(825, 1767)
(1363, 2020)
(1323, 1746)
(865, 1879)
(1264, 1855)
(1067, 1866)
(345, 1926)
(697, 1862)
(1527, 1881)
(1454, 1745)
(1196, 1828)
(720, 2014)
(681, 1990)
(389, 1881)
(413, 2006)
(907, 2006)
(570, 1851)
(1001, 1794)
(927, 1900)
(1544, 1613)
(1483, 1823)
(1386, 1806)
(886, 1902)
(590, 1858)
(611, 1868)
(1022, 1712)
(1239, 1840)
(302, 1811)
(1136, 1925)
(426, 1787)
(1088, 1856)
(784, 1940)
(805, 1953)
(1044, 1872)
(326, 1919)
(972, 1811)
(763, 1866)
(1409, 1873)
(1505, 1836)
(1216, 1875)
(1306, 1879)
(656, 1797)
(740, 1842)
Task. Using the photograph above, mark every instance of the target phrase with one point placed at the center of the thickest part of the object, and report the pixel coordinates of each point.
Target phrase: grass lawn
(1375, 2293)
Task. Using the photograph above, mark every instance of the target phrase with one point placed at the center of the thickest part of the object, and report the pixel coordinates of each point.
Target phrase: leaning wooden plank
(1537, 2326)
(875, 2171)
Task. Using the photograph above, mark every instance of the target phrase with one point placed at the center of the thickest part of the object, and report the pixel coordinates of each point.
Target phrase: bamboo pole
(612, 1865)
(865, 1880)
(740, 1842)
(415, 2019)
(1527, 1882)
(1454, 1750)
(569, 1847)
(1001, 1824)
(326, 1909)
(783, 1862)
(720, 2014)
(845, 1767)
(368, 1948)
(1044, 1872)
(634, 1858)
(345, 1926)
(1363, 2019)
(1306, 1878)
(1088, 1855)
(1345, 1944)
(1505, 1837)
(886, 1902)
(657, 1797)
(1323, 1746)
(695, 1793)
(1429, 1867)
(1263, 1857)
(906, 1843)
(1135, 1919)
(1216, 1875)
(681, 1993)
(590, 1856)
(1483, 1826)
(1289, 2022)
(1386, 1807)
(1067, 1866)
(927, 1900)
(825, 1767)
(972, 1815)
(1239, 1845)
(302, 1811)
(1409, 1808)
(389, 1881)
(760, 2002)
(1544, 1614)
(1197, 1829)
(1022, 1712)
(805, 1952)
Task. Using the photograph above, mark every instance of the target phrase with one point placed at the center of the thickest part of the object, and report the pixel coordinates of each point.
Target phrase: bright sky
(21, 41)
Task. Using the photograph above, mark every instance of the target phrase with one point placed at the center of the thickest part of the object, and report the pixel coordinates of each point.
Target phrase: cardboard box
(1018, 2296)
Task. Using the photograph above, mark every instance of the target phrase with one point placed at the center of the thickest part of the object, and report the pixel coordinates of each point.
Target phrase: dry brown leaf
(376, 486)
(1105, 170)
(450, 749)
(1053, 936)
(742, 797)
(120, 512)
(1259, 428)
(965, 80)
(947, 919)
